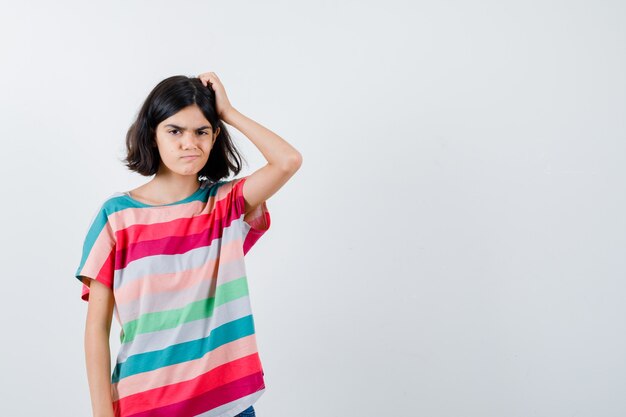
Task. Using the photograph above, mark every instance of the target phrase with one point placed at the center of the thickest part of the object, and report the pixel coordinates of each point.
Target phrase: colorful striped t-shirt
(178, 276)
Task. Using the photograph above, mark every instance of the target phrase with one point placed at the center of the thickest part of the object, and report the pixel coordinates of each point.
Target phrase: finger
(205, 80)
(208, 78)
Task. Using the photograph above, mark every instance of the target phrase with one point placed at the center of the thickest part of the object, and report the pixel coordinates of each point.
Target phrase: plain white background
(453, 244)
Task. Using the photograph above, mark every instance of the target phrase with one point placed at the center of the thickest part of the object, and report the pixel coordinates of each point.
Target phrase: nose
(189, 140)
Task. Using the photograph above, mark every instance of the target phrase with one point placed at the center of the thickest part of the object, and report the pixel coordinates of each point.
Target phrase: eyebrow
(182, 128)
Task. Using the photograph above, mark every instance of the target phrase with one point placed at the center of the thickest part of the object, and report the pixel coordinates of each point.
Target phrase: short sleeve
(98, 257)
(256, 222)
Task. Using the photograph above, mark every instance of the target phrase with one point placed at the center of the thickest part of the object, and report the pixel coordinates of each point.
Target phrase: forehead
(188, 118)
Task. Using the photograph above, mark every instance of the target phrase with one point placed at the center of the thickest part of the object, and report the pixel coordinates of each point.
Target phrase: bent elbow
(293, 162)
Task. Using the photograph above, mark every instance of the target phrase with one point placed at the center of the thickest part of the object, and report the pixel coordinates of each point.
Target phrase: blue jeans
(248, 412)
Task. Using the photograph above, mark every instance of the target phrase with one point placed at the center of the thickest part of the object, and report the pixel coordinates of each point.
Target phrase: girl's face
(185, 141)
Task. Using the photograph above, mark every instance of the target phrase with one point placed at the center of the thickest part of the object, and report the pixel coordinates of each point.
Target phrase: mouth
(190, 157)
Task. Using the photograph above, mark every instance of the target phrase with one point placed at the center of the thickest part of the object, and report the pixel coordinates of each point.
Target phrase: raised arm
(283, 160)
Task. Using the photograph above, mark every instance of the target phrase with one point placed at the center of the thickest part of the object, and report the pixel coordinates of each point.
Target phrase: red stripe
(217, 387)
(177, 236)
(104, 276)
(254, 234)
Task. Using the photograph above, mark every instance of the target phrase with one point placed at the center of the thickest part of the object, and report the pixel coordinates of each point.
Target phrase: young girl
(167, 258)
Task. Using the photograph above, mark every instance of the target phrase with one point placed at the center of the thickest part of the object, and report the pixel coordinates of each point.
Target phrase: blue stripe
(187, 351)
(97, 224)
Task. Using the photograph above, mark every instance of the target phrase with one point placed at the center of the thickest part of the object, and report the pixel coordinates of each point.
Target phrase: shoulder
(113, 202)
(108, 206)
(223, 186)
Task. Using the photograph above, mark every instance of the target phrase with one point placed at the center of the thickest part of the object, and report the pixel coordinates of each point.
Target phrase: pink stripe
(150, 284)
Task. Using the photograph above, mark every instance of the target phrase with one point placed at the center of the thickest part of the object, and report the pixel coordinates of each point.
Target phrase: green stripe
(201, 309)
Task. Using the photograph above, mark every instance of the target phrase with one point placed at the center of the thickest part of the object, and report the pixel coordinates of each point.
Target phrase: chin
(185, 172)
(193, 173)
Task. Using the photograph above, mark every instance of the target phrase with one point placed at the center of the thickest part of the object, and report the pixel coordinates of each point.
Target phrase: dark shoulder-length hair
(166, 99)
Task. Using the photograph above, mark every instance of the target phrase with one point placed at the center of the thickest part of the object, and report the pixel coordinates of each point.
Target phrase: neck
(175, 187)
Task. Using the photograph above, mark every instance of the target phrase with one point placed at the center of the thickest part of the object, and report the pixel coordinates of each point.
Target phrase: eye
(173, 130)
